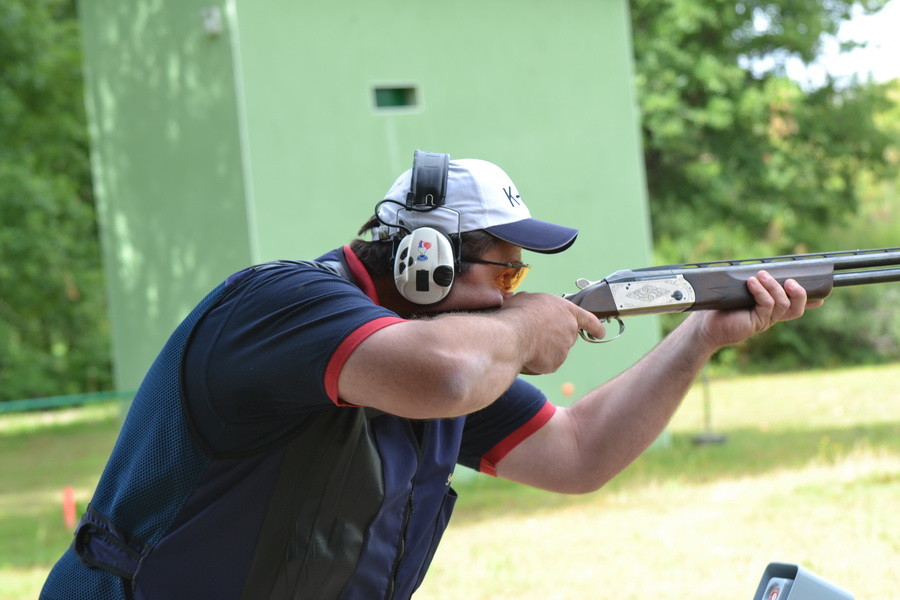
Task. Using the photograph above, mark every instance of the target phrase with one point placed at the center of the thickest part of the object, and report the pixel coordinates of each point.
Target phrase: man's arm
(583, 447)
(458, 363)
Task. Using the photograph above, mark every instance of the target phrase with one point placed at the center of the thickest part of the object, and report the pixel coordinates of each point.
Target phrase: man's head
(482, 214)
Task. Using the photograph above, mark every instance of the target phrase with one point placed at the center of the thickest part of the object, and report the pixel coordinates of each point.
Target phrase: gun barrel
(862, 259)
(842, 260)
(866, 277)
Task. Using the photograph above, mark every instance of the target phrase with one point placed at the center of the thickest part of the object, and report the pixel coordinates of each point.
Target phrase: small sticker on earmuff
(424, 247)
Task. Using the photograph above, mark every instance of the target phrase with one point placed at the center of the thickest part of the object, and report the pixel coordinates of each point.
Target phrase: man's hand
(774, 304)
(549, 326)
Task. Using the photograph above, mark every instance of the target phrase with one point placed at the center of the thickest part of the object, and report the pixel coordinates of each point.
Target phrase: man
(297, 435)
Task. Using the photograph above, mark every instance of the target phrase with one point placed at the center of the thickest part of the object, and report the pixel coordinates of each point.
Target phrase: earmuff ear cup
(424, 266)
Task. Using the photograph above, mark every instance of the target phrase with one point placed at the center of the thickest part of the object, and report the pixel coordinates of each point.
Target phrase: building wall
(167, 167)
(264, 141)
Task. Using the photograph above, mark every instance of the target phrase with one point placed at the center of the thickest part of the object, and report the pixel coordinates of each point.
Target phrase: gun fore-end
(726, 288)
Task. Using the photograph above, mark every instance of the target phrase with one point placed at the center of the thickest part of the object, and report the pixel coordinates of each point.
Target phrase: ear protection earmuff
(425, 260)
(424, 267)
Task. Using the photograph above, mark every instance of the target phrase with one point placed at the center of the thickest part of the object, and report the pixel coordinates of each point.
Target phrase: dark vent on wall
(388, 97)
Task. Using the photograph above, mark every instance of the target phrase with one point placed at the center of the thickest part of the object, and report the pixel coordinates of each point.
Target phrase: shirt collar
(360, 274)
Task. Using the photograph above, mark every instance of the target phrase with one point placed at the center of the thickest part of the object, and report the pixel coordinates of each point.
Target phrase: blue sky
(880, 58)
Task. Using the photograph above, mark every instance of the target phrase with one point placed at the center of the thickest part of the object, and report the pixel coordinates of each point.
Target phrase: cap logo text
(513, 199)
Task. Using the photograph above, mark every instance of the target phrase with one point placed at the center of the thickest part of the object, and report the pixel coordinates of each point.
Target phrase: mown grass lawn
(809, 473)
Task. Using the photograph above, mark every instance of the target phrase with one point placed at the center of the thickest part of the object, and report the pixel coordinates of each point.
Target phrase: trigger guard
(589, 338)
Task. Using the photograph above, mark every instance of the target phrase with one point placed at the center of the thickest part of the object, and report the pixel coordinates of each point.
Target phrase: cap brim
(535, 235)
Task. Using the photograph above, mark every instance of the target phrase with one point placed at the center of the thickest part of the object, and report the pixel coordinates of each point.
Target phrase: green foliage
(53, 331)
(742, 161)
(739, 158)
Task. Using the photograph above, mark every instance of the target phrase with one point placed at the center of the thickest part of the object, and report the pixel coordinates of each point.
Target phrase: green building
(232, 132)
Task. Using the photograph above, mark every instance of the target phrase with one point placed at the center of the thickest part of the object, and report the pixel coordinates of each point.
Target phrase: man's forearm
(616, 422)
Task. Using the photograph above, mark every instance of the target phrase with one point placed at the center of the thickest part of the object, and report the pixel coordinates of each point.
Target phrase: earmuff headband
(428, 188)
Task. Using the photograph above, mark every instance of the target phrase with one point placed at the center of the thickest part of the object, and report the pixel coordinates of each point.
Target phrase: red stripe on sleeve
(343, 352)
(494, 455)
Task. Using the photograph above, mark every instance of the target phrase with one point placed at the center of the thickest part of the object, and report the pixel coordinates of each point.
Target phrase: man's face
(477, 289)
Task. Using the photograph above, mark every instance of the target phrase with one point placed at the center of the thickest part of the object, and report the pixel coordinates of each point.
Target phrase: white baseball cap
(481, 196)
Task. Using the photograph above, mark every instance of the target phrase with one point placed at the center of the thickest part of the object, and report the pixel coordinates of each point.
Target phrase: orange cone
(69, 507)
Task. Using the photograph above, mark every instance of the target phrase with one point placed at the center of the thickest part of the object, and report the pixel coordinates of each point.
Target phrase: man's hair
(378, 256)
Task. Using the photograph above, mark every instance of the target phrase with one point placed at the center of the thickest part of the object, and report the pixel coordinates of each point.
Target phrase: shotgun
(723, 284)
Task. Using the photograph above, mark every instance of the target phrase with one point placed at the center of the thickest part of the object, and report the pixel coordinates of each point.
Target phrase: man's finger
(799, 301)
(765, 303)
(782, 303)
(589, 323)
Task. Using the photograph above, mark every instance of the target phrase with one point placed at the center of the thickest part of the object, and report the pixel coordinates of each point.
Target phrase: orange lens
(511, 278)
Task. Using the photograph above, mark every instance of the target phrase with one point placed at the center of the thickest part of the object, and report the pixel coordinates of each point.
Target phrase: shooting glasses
(510, 278)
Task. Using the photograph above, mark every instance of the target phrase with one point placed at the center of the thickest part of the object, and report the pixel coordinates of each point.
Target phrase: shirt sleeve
(491, 433)
(271, 352)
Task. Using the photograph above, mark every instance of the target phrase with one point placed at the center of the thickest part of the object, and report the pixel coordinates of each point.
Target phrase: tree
(742, 161)
(738, 156)
(53, 329)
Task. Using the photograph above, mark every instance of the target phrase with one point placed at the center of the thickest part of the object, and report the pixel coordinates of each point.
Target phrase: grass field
(809, 474)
